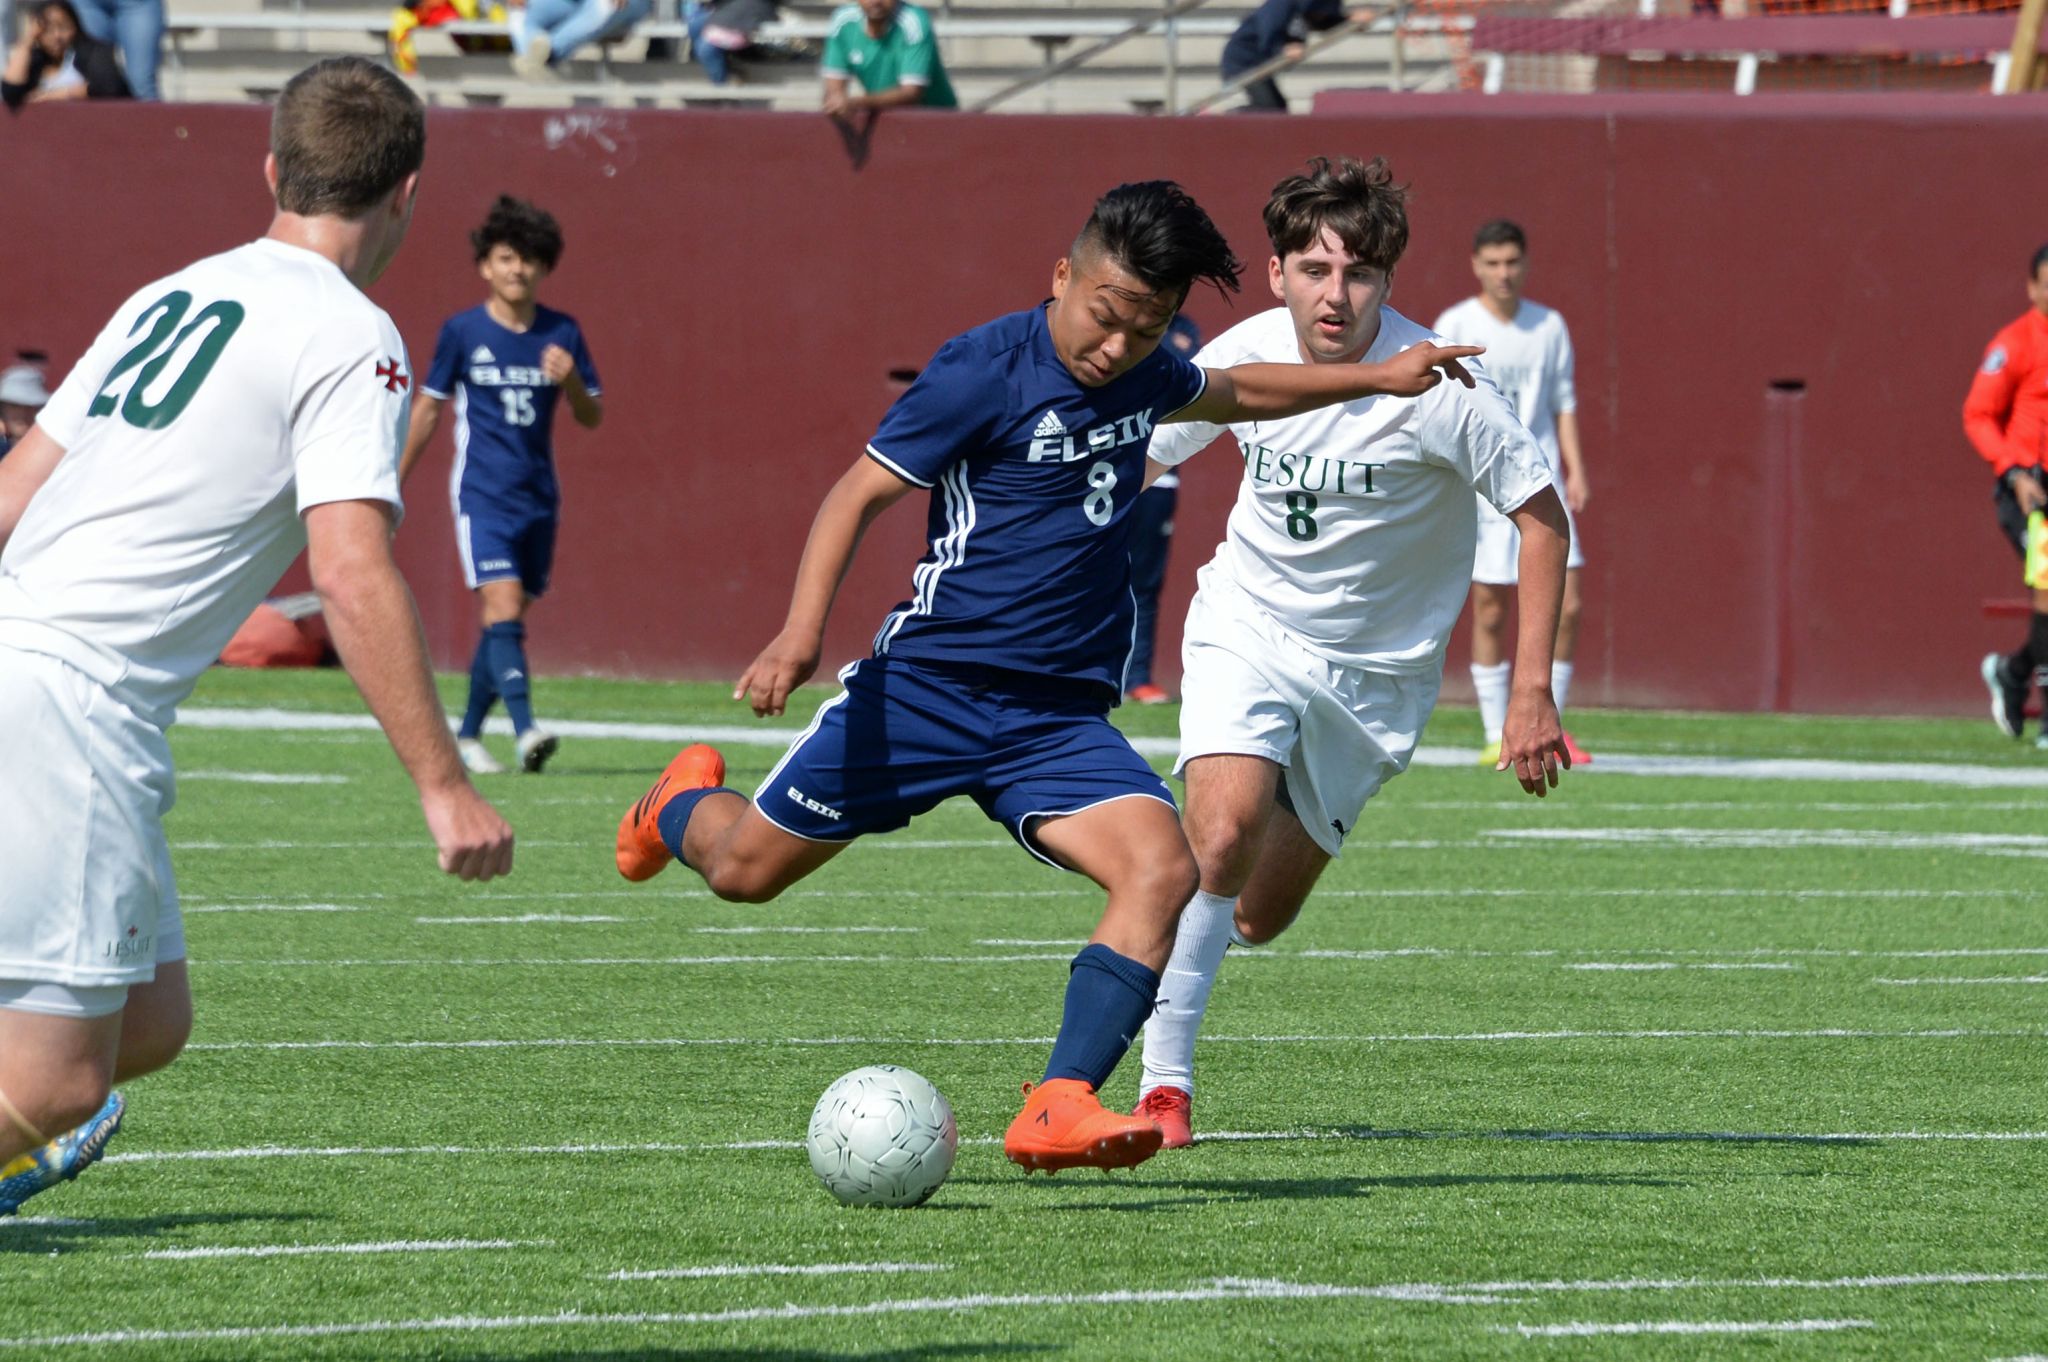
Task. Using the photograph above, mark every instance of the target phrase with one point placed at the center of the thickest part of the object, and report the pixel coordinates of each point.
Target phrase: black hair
(1499, 232)
(2040, 259)
(65, 5)
(531, 231)
(1156, 230)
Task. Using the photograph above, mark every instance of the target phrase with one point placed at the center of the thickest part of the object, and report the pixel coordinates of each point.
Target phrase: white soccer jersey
(1353, 525)
(1530, 359)
(216, 407)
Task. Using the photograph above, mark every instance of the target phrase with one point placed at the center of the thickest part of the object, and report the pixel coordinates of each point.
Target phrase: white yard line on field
(523, 918)
(1610, 763)
(266, 777)
(1687, 1326)
(1364, 1135)
(877, 1042)
(771, 1270)
(1967, 979)
(649, 960)
(1222, 1289)
(300, 1250)
(1751, 839)
(809, 931)
(204, 907)
(1461, 891)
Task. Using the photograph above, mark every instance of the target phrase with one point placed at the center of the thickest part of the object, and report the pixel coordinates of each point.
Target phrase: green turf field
(1669, 1065)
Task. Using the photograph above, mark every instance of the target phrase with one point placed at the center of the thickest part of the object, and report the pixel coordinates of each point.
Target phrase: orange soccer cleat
(1579, 755)
(1173, 1111)
(641, 852)
(1064, 1125)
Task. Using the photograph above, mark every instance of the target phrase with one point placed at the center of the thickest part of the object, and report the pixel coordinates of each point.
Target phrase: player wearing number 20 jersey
(212, 411)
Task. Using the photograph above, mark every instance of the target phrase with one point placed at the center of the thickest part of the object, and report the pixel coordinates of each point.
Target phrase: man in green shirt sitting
(888, 47)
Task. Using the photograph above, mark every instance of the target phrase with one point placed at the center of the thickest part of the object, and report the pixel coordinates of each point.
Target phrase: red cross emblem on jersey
(393, 376)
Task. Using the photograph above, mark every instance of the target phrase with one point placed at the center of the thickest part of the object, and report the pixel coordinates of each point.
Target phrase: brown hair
(346, 132)
(1358, 202)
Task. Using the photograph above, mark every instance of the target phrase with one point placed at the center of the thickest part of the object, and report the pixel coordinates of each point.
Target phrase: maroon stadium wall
(1777, 304)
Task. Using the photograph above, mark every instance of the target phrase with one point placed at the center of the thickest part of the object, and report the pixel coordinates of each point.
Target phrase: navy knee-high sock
(674, 818)
(507, 642)
(1108, 998)
(483, 692)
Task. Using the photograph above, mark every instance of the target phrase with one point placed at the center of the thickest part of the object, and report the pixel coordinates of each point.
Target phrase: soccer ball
(882, 1136)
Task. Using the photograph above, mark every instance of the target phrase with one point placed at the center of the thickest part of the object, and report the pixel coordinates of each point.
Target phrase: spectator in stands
(136, 27)
(546, 32)
(889, 47)
(2006, 418)
(22, 394)
(1151, 537)
(55, 60)
(1275, 28)
(721, 30)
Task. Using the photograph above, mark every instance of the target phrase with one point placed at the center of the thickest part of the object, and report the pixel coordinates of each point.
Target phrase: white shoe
(536, 745)
(478, 758)
(533, 62)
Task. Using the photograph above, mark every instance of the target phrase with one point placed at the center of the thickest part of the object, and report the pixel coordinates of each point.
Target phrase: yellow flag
(2037, 551)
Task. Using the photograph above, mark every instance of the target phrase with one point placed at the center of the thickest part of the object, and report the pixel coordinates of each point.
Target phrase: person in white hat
(22, 395)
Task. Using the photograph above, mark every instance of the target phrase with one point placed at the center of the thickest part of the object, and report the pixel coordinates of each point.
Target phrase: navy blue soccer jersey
(1032, 478)
(504, 408)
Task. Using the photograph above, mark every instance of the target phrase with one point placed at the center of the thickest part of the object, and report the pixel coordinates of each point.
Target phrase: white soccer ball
(882, 1136)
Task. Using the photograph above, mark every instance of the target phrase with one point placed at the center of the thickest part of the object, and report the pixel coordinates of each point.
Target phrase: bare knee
(1489, 610)
(1226, 848)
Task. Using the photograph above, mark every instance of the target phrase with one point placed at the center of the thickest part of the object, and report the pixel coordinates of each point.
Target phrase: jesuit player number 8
(518, 406)
(1101, 501)
(1301, 517)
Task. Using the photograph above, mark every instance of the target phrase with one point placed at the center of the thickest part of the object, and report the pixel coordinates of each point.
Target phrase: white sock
(1198, 946)
(1560, 682)
(1491, 685)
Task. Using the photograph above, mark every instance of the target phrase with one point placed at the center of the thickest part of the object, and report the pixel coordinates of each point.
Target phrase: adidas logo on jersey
(1052, 442)
(482, 355)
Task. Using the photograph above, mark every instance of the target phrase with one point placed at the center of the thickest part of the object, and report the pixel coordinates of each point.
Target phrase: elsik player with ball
(995, 678)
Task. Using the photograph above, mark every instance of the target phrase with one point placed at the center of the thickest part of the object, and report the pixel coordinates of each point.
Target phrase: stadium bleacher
(245, 49)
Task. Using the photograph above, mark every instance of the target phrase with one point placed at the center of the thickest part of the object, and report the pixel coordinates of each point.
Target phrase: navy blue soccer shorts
(499, 549)
(902, 738)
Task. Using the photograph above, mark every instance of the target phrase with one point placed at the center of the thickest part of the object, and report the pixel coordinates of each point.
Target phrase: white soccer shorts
(87, 903)
(1498, 559)
(1249, 688)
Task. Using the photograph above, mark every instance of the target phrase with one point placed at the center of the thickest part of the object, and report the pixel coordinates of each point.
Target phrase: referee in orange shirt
(2006, 418)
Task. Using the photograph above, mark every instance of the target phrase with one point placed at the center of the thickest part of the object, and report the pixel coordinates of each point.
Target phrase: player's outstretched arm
(22, 474)
(376, 629)
(862, 493)
(1532, 739)
(1269, 392)
(426, 417)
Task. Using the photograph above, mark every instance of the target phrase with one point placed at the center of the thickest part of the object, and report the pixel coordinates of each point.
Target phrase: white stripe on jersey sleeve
(883, 459)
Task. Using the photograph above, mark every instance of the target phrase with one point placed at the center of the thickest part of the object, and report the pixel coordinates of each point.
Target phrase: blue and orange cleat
(1064, 1125)
(62, 1159)
(641, 853)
